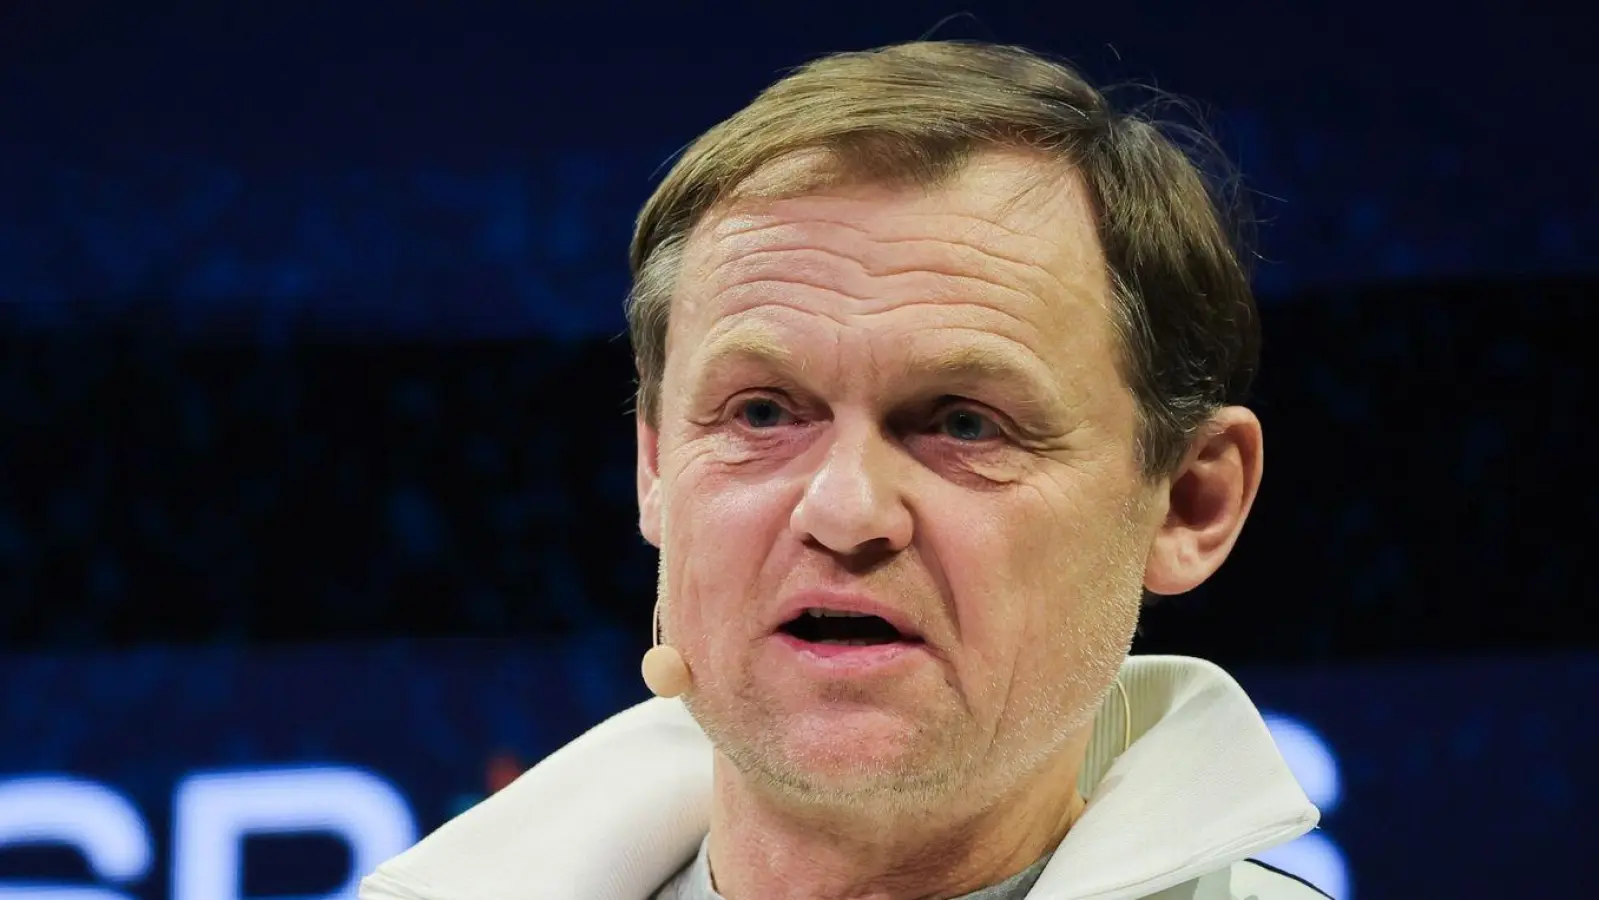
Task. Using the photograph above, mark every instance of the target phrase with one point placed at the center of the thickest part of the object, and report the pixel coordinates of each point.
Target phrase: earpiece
(665, 671)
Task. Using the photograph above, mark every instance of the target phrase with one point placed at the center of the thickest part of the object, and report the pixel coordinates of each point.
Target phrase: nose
(854, 503)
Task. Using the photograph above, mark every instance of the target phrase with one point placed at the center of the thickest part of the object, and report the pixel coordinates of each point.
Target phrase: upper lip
(796, 606)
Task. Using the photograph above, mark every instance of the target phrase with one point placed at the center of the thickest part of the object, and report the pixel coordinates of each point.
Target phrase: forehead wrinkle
(987, 251)
(994, 186)
(981, 308)
(806, 265)
(753, 225)
(942, 295)
(734, 293)
(807, 261)
(1033, 281)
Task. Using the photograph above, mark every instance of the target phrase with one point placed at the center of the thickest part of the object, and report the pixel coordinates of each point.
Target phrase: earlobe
(1209, 498)
(649, 482)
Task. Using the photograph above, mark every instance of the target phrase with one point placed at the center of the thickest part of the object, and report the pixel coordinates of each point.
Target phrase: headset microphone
(665, 671)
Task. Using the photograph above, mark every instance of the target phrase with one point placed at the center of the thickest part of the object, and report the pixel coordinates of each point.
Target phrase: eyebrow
(747, 346)
(960, 365)
(967, 364)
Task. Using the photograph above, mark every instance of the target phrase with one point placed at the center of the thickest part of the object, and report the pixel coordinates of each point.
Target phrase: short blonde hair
(916, 113)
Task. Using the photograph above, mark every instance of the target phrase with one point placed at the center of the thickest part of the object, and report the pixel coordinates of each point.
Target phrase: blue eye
(762, 413)
(965, 425)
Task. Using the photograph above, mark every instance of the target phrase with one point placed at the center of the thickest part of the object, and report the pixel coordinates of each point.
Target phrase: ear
(1208, 499)
(649, 481)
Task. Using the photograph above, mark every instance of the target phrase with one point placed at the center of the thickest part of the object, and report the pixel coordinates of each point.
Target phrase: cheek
(720, 535)
(1000, 573)
(1041, 594)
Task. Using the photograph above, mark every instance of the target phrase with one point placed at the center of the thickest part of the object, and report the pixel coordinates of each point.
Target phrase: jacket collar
(615, 813)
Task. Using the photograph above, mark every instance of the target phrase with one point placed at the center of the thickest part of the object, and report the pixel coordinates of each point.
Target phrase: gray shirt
(693, 882)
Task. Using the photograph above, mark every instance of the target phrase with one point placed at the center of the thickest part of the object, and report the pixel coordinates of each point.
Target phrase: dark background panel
(472, 168)
(1424, 491)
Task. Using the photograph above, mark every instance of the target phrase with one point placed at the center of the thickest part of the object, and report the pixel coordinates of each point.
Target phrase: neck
(762, 846)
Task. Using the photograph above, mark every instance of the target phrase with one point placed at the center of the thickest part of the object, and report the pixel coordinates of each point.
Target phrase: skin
(912, 394)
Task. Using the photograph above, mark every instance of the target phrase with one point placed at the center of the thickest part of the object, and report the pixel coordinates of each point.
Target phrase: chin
(836, 749)
(861, 753)
(860, 786)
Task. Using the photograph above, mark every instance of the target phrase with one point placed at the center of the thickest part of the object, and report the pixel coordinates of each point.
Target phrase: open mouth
(822, 626)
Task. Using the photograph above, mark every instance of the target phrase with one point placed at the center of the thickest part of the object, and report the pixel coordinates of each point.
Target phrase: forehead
(1009, 244)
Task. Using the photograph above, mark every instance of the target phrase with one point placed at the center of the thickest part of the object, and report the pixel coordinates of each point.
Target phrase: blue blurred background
(316, 499)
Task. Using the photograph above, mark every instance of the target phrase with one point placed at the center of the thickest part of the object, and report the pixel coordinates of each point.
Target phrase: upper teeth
(835, 614)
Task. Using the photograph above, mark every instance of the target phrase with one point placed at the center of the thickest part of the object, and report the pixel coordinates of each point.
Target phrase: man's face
(908, 402)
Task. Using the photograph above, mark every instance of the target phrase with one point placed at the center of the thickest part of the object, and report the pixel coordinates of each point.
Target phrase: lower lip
(850, 659)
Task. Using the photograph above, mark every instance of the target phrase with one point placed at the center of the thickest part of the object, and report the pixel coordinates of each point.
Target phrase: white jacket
(615, 813)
